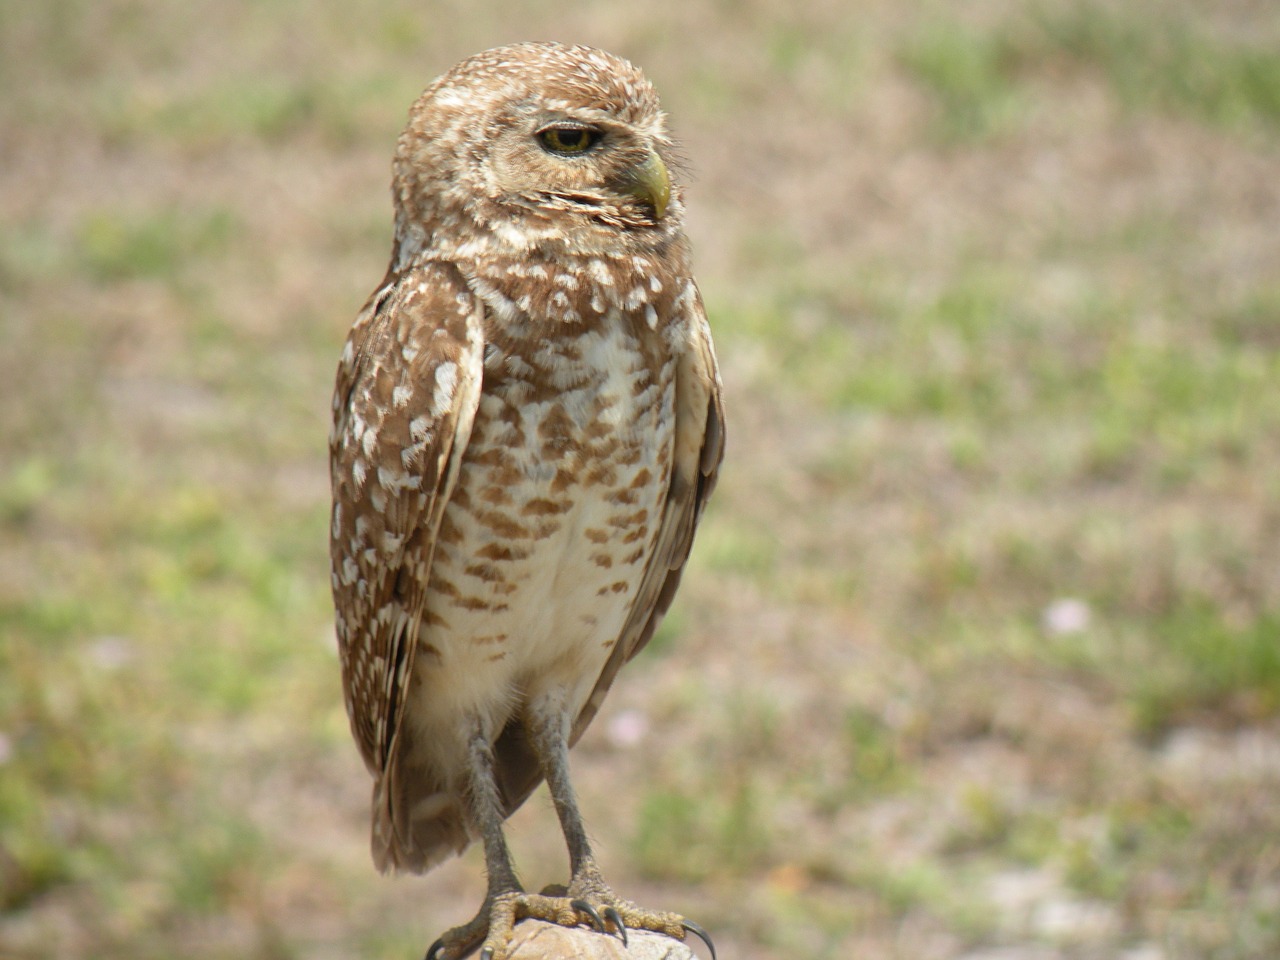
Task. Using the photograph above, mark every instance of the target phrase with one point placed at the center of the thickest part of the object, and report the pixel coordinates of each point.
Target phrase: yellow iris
(568, 139)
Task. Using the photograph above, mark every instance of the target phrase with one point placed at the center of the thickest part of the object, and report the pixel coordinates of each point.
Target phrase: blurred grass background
(979, 655)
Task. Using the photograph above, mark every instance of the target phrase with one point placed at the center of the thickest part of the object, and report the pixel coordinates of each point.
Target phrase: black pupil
(569, 138)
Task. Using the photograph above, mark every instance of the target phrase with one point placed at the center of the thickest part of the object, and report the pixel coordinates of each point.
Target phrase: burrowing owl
(526, 426)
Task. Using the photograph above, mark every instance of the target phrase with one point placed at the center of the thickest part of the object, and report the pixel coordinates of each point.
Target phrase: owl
(527, 424)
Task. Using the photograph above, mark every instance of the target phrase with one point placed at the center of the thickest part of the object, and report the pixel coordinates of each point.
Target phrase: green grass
(1152, 59)
(1203, 663)
(966, 74)
(115, 246)
(1150, 56)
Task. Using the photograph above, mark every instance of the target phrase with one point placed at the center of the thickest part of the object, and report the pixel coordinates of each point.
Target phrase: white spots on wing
(638, 295)
(358, 427)
(420, 429)
(358, 470)
(567, 280)
(410, 455)
(687, 295)
(409, 352)
(446, 382)
(394, 481)
(602, 274)
(655, 284)
(350, 571)
(651, 317)
(401, 395)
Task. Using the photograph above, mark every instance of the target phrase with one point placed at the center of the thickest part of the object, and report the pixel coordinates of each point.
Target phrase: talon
(585, 908)
(615, 918)
(487, 954)
(433, 951)
(701, 934)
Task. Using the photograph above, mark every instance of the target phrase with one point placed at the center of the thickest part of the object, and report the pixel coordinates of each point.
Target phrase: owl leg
(505, 902)
(485, 809)
(587, 891)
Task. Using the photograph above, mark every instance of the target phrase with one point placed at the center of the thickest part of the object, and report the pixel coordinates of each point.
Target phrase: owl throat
(540, 293)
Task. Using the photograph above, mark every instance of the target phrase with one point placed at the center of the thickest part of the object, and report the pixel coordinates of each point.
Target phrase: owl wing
(407, 390)
(697, 451)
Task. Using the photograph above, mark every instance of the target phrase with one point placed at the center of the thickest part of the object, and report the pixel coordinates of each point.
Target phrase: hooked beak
(650, 182)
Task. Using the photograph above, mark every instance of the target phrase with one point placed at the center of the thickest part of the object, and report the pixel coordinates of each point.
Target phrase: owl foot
(591, 893)
(493, 928)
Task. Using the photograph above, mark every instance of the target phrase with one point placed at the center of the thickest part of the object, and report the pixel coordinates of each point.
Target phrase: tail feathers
(415, 833)
(419, 821)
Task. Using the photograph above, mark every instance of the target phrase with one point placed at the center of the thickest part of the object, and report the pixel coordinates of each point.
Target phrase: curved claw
(587, 910)
(615, 918)
(433, 951)
(487, 953)
(701, 934)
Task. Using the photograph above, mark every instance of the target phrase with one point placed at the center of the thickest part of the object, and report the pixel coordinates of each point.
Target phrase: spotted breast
(544, 540)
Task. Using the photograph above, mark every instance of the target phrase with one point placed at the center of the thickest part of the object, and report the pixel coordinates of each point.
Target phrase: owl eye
(568, 139)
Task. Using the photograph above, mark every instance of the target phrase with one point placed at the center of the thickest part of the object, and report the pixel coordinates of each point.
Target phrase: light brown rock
(536, 940)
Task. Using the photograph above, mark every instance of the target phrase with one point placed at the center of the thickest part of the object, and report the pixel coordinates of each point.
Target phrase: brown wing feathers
(407, 389)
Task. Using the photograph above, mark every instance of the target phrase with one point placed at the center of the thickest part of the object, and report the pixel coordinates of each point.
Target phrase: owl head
(535, 144)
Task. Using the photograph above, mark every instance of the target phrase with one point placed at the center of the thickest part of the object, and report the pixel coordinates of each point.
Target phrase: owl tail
(414, 831)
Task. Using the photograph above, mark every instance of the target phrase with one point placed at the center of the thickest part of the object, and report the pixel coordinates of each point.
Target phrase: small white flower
(1066, 616)
(628, 728)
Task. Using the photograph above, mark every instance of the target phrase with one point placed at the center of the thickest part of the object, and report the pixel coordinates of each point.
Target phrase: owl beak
(650, 182)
